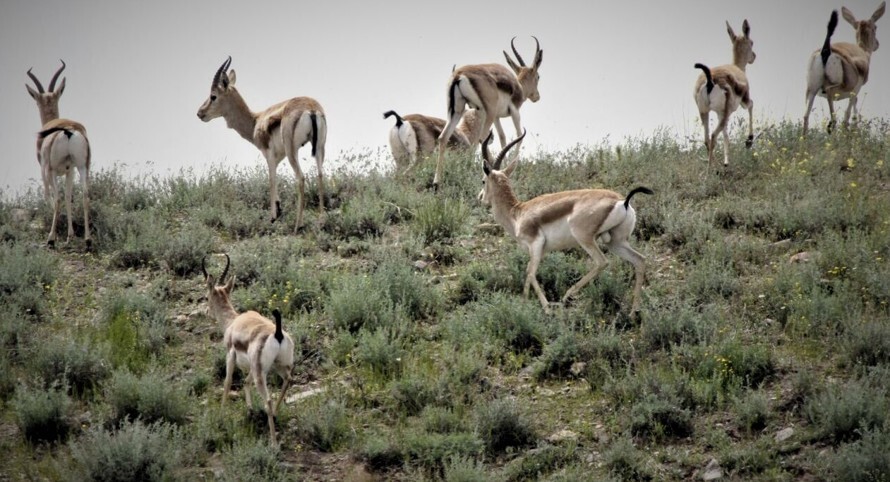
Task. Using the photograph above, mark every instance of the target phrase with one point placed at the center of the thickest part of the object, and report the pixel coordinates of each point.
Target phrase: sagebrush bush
(516, 322)
(380, 452)
(558, 357)
(26, 276)
(355, 302)
(540, 462)
(657, 418)
(441, 420)
(325, 425)
(134, 451)
(465, 469)
(150, 398)
(865, 459)
(752, 411)
(380, 352)
(501, 424)
(184, 251)
(407, 289)
(431, 451)
(867, 344)
(135, 326)
(254, 461)
(43, 414)
(627, 462)
(671, 326)
(80, 365)
(412, 393)
(439, 218)
(842, 413)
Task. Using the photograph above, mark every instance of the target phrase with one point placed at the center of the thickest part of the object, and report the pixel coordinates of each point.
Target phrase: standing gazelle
(253, 342)
(838, 71)
(492, 90)
(62, 144)
(723, 88)
(415, 135)
(277, 132)
(561, 221)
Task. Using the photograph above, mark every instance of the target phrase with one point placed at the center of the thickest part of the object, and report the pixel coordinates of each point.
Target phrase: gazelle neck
(504, 204)
(239, 117)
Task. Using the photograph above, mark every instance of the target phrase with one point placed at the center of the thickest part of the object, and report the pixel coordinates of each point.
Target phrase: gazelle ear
(231, 77)
(33, 93)
(511, 63)
(210, 281)
(848, 16)
(61, 87)
(230, 284)
(730, 31)
(879, 12)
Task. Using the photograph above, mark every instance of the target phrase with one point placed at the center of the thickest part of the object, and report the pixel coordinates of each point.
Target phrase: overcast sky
(138, 71)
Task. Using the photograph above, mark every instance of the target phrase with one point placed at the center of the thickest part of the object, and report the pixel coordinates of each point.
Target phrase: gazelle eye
(212, 98)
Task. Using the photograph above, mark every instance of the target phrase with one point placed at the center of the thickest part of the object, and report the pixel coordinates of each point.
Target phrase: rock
(305, 394)
(562, 436)
(780, 245)
(420, 265)
(804, 257)
(784, 434)
(712, 471)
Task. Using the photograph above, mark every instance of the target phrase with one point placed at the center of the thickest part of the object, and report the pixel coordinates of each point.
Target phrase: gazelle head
(222, 92)
(528, 76)
(218, 296)
(866, 31)
(742, 45)
(494, 177)
(47, 101)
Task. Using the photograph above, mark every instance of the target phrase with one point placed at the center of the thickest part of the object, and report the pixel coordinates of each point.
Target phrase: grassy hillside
(418, 357)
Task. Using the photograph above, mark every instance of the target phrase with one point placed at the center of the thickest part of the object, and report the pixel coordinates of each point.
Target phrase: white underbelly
(558, 236)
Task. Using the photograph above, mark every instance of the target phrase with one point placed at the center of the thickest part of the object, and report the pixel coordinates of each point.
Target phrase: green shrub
(380, 453)
(657, 418)
(254, 461)
(412, 393)
(867, 344)
(355, 303)
(481, 277)
(26, 276)
(535, 464)
(183, 252)
(149, 398)
(135, 326)
(441, 420)
(752, 411)
(670, 326)
(465, 469)
(215, 429)
(15, 331)
(81, 366)
(518, 323)
(362, 217)
(865, 459)
(324, 426)
(43, 414)
(432, 450)
(558, 357)
(502, 425)
(439, 218)
(408, 289)
(626, 462)
(842, 413)
(134, 451)
(380, 352)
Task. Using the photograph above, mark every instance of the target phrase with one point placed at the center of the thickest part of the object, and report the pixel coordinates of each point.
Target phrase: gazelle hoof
(749, 142)
(51, 244)
(89, 245)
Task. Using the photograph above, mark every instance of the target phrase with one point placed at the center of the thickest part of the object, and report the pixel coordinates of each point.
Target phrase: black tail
(451, 97)
(644, 190)
(826, 48)
(312, 118)
(704, 68)
(399, 119)
(279, 333)
(44, 133)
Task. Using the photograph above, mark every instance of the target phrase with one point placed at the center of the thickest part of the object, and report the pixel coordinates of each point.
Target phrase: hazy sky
(138, 71)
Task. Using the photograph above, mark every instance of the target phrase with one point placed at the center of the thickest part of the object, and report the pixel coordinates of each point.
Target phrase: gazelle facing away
(414, 136)
(277, 132)
(838, 71)
(722, 89)
(62, 144)
(253, 342)
(561, 221)
(494, 91)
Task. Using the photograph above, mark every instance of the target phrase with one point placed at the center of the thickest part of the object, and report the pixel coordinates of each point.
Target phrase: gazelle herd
(477, 97)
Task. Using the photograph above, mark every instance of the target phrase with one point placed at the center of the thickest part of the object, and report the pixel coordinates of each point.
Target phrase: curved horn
(516, 53)
(222, 278)
(52, 83)
(36, 82)
(486, 155)
(506, 149)
(537, 45)
(222, 68)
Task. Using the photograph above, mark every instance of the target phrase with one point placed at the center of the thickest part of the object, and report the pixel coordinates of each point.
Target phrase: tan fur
(261, 128)
(489, 82)
(49, 139)
(854, 60)
(560, 221)
(732, 79)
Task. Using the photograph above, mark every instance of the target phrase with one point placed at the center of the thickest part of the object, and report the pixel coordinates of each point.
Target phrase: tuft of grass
(254, 461)
(183, 252)
(657, 418)
(325, 426)
(150, 398)
(79, 366)
(501, 425)
(753, 411)
(439, 218)
(134, 451)
(865, 459)
(627, 462)
(43, 415)
(842, 413)
(26, 276)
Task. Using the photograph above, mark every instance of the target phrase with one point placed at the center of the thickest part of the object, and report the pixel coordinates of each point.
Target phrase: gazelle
(414, 136)
(62, 144)
(494, 91)
(561, 221)
(723, 88)
(838, 71)
(253, 342)
(277, 132)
